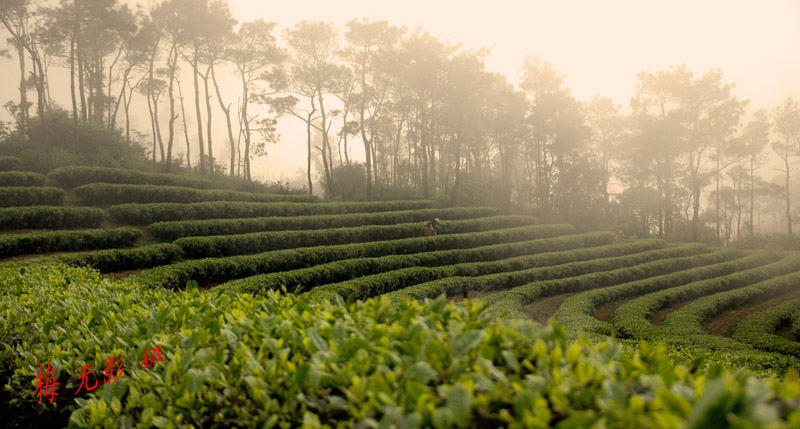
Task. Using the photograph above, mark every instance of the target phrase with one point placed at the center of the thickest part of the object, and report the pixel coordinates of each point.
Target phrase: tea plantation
(278, 310)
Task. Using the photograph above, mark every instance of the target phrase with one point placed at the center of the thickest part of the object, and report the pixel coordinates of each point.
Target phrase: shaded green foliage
(65, 241)
(145, 214)
(106, 193)
(50, 217)
(169, 231)
(14, 196)
(432, 364)
(21, 178)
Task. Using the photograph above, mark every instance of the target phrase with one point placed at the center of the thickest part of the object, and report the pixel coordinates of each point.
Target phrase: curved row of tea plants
(513, 300)
(14, 196)
(209, 270)
(50, 217)
(495, 275)
(689, 319)
(9, 163)
(21, 178)
(452, 286)
(74, 176)
(146, 214)
(169, 231)
(111, 260)
(65, 241)
(577, 312)
(346, 269)
(234, 360)
(107, 193)
(632, 318)
(758, 329)
(229, 245)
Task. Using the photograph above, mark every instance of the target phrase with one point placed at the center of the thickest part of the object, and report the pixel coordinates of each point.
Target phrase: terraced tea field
(171, 232)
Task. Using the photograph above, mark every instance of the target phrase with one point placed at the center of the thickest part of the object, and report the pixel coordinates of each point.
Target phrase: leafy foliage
(347, 269)
(227, 245)
(111, 260)
(9, 163)
(14, 196)
(21, 178)
(275, 360)
(50, 217)
(168, 231)
(64, 241)
(145, 214)
(758, 329)
(106, 193)
(176, 276)
(74, 176)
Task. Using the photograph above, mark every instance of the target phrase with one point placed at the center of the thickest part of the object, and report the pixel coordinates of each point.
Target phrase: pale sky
(599, 45)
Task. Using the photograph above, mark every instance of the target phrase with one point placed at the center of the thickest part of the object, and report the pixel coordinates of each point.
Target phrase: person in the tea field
(430, 228)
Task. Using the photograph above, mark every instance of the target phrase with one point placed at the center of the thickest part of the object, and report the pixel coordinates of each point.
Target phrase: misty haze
(236, 213)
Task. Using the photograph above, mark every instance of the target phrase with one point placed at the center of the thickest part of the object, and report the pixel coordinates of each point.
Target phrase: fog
(599, 46)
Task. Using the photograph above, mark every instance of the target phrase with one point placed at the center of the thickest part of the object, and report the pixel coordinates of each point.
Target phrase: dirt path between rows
(661, 315)
(123, 274)
(471, 295)
(724, 325)
(785, 331)
(606, 313)
(543, 309)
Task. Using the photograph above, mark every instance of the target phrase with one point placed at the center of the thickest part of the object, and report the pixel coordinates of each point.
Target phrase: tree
(257, 58)
(656, 107)
(369, 44)
(313, 73)
(608, 131)
(750, 147)
(786, 123)
(15, 15)
(557, 136)
(423, 58)
(467, 83)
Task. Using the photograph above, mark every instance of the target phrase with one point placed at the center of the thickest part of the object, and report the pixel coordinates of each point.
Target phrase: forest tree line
(686, 159)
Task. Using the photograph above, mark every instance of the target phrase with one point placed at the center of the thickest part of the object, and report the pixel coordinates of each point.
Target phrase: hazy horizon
(600, 48)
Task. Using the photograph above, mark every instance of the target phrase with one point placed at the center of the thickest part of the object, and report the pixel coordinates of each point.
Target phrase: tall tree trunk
(153, 120)
(660, 186)
(227, 110)
(195, 73)
(716, 199)
(788, 193)
(81, 90)
(246, 123)
(424, 155)
(110, 71)
(112, 115)
(23, 96)
(752, 195)
(396, 155)
(668, 195)
(457, 173)
(72, 91)
(324, 131)
(127, 105)
(208, 120)
(41, 90)
(308, 141)
(173, 66)
(185, 128)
